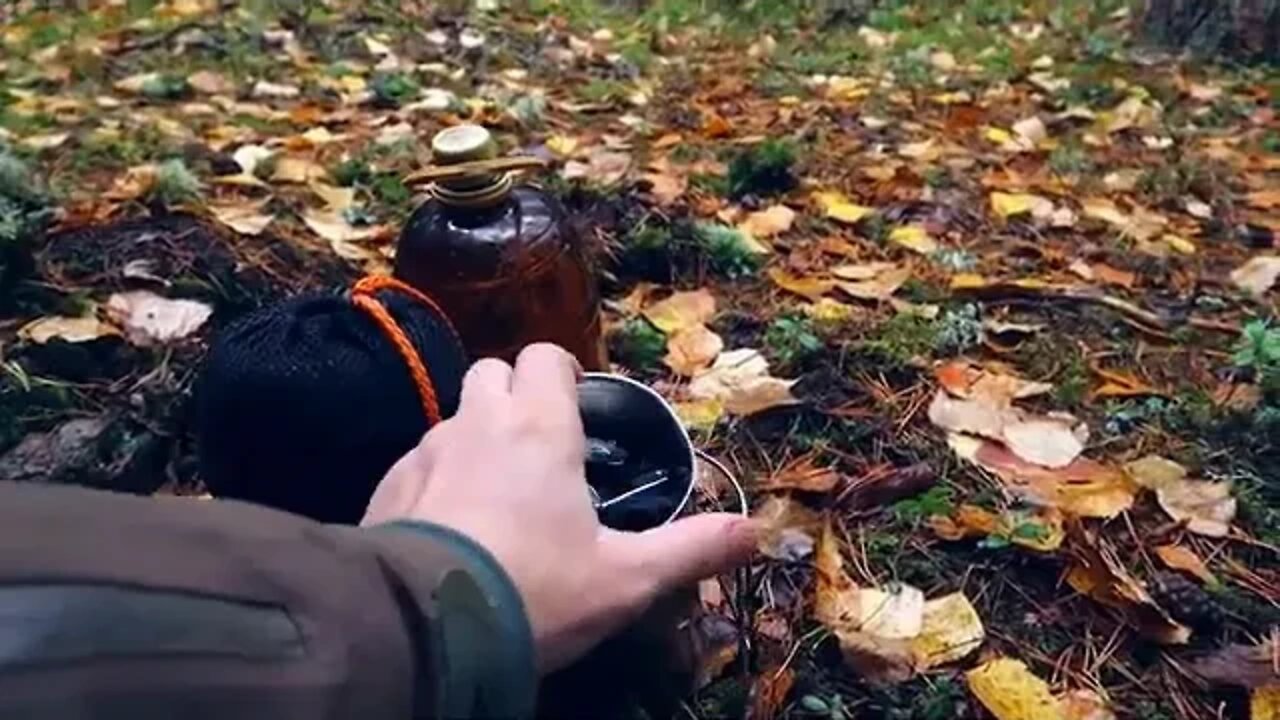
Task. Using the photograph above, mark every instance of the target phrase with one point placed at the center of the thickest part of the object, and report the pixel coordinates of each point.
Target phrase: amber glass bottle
(500, 259)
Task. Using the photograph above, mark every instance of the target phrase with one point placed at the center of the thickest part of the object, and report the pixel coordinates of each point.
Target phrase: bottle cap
(463, 143)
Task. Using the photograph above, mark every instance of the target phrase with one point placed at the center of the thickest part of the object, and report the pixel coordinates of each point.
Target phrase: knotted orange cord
(362, 294)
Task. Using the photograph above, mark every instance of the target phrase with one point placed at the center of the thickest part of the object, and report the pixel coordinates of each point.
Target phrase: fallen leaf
(341, 234)
(1250, 666)
(47, 141)
(249, 156)
(1140, 224)
(881, 287)
(692, 349)
(1096, 571)
(210, 83)
(741, 380)
(1032, 130)
(827, 310)
(666, 187)
(336, 199)
(837, 207)
(682, 310)
(1264, 703)
(69, 329)
(769, 222)
(699, 414)
(802, 475)
(915, 238)
(1265, 199)
(297, 170)
(1258, 275)
(136, 182)
(149, 319)
(998, 388)
(603, 167)
(1206, 507)
(133, 84)
(787, 529)
(1011, 692)
(1042, 530)
(1178, 557)
(1113, 276)
(951, 631)
(1007, 205)
(812, 288)
(1084, 705)
(769, 690)
(265, 89)
(1085, 487)
(245, 218)
(1054, 442)
(968, 416)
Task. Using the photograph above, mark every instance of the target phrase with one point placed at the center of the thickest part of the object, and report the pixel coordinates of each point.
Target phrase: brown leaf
(714, 125)
(1113, 276)
(1084, 705)
(769, 691)
(692, 349)
(1265, 199)
(1258, 275)
(246, 218)
(995, 386)
(1207, 508)
(811, 288)
(1185, 559)
(835, 593)
(769, 222)
(787, 528)
(603, 167)
(801, 474)
(1097, 572)
(682, 310)
(1250, 666)
(666, 187)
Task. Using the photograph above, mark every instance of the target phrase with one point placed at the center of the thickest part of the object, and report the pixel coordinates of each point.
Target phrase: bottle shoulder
(527, 218)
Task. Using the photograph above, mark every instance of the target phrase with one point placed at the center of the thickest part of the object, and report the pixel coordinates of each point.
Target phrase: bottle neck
(475, 192)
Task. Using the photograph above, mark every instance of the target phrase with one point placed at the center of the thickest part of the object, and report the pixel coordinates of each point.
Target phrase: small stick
(461, 170)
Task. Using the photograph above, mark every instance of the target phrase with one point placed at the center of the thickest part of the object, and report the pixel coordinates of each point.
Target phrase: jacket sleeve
(115, 606)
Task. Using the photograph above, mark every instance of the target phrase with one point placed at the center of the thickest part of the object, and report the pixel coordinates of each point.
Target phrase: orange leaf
(802, 474)
(1265, 199)
(715, 126)
(1114, 276)
(1181, 558)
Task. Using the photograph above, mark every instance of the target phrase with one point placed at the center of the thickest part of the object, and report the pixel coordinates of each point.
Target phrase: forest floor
(975, 297)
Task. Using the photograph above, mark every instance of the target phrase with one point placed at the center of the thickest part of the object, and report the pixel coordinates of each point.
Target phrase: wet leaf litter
(979, 301)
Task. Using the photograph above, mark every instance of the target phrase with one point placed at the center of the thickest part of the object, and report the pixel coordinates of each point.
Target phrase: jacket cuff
(477, 634)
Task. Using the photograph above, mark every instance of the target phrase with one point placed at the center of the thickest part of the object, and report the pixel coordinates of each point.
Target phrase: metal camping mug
(651, 664)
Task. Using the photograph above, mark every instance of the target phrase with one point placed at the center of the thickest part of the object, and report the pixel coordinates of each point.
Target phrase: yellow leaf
(830, 311)
(682, 310)
(998, 136)
(336, 198)
(837, 207)
(47, 141)
(915, 238)
(69, 329)
(968, 281)
(880, 287)
(297, 170)
(951, 631)
(811, 288)
(692, 349)
(562, 145)
(1011, 692)
(835, 593)
(1264, 703)
(700, 414)
(1180, 244)
(1181, 558)
(1007, 205)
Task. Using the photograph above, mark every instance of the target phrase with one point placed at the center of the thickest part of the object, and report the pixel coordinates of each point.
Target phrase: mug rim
(684, 435)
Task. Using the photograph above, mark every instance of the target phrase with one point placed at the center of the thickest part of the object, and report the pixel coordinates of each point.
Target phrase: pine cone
(1185, 601)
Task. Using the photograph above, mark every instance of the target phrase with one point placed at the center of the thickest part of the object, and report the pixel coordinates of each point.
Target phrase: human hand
(507, 471)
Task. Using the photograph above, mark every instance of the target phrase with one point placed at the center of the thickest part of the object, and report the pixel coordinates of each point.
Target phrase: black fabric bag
(305, 405)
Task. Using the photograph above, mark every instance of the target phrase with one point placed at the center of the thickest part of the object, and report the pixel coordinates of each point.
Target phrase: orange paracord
(362, 294)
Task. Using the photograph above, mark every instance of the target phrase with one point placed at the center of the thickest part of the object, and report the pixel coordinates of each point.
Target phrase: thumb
(691, 549)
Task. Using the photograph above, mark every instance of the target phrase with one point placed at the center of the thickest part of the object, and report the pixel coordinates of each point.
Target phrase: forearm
(115, 606)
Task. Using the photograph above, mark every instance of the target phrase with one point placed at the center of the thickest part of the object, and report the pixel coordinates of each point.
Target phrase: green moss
(763, 169)
(602, 91)
(903, 338)
(638, 344)
(1070, 159)
(175, 184)
(937, 500)
(791, 340)
(351, 171)
(391, 90)
(726, 250)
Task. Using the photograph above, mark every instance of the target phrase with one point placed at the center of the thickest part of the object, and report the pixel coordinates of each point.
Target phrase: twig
(162, 38)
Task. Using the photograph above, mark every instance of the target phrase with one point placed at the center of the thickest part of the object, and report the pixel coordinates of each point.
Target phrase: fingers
(547, 376)
(487, 381)
(689, 550)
